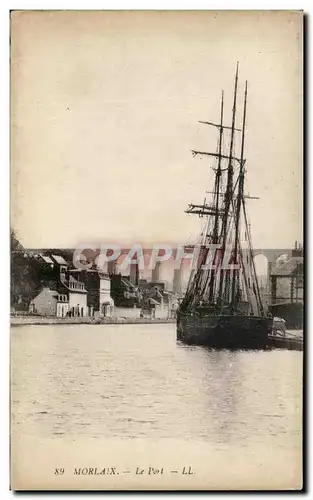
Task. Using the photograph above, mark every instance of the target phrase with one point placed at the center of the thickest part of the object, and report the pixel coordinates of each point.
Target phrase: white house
(106, 303)
(77, 298)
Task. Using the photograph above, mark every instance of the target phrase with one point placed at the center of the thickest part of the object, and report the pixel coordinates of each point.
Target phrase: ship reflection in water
(130, 381)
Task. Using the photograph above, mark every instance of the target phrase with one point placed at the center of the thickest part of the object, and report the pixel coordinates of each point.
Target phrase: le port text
(186, 470)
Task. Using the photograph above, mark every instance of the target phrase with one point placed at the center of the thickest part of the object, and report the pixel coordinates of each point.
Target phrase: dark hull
(224, 331)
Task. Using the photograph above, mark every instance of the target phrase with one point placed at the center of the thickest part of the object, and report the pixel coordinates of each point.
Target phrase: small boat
(285, 340)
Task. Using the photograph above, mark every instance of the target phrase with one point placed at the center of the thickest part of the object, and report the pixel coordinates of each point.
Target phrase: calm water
(130, 381)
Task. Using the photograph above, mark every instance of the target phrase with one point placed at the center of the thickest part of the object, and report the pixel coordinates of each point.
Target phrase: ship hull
(224, 331)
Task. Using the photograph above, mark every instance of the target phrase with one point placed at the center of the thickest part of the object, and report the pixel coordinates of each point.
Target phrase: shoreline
(37, 320)
(290, 341)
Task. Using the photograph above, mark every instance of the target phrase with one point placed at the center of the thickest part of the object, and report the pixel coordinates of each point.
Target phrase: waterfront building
(50, 303)
(287, 289)
(77, 297)
(124, 293)
(98, 284)
(58, 291)
(64, 299)
(106, 303)
(88, 291)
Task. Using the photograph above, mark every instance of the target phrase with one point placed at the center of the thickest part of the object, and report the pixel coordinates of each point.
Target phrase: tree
(25, 275)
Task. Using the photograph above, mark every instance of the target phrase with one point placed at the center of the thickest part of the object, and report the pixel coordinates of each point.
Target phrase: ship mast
(228, 195)
(239, 200)
(193, 293)
(218, 175)
(215, 235)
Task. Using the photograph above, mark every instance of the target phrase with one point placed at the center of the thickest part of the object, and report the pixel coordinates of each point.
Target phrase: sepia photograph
(157, 251)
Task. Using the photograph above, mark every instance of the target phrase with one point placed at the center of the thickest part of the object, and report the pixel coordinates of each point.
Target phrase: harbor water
(74, 383)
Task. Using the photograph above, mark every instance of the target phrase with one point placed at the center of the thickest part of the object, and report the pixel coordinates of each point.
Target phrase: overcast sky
(105, 110)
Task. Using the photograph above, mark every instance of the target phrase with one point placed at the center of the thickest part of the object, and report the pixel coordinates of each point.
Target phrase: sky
(105, 109)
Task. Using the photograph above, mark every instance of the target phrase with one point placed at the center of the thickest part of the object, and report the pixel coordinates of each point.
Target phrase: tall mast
(217, 194)
(239, 197)
(229, 188)
(210, 210)
(218, 174)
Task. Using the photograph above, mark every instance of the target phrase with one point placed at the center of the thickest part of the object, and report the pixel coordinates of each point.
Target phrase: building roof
(153, 301)
(48, 290)
(289, 268)
(59, 260)
(46, 258)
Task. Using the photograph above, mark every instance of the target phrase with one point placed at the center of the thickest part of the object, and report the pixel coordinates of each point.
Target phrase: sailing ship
(222, 307)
